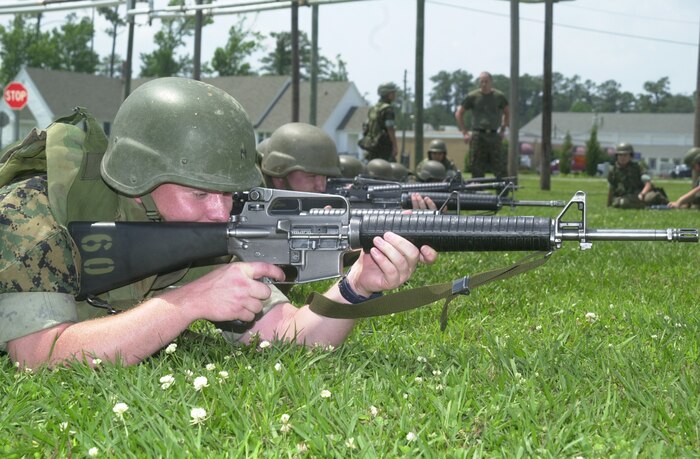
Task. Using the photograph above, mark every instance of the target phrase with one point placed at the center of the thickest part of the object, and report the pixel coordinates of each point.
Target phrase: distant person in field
(629, 187)
(490, 119)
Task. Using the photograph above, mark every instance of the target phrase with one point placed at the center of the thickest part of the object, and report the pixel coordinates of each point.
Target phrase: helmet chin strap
(150, 206)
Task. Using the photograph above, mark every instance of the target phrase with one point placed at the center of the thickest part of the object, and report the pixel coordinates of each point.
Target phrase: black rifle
(283, 228)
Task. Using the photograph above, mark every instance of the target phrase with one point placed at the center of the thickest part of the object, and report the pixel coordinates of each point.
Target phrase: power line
(566, 26)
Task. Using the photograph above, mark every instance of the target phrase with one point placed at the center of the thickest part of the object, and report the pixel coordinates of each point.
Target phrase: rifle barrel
(670, 234)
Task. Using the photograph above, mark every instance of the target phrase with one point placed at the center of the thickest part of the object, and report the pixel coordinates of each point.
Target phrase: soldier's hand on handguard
(388, 264)
(420, 202)
(231, 292)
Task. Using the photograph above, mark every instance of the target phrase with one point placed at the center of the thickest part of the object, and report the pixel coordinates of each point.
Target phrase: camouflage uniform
(381, 117)
(626, 183)
(38, 275)
(486, 145)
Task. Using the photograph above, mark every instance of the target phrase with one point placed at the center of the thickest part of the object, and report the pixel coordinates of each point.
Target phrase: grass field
(594, 354)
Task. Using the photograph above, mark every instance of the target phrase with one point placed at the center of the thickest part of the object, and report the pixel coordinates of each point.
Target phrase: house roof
(634, 124)
(329, 95)
(64, 90)
(266, 99)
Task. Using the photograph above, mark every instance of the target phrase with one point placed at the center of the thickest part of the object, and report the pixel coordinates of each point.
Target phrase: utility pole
(513, 138)
(545, 173)
(126, 73)
(295, 60)
(313, 100)
(420, 33)
(696, 136)
(198, 43)
(405, 112)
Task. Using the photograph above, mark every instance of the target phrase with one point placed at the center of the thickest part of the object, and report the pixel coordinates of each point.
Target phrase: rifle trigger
(461, 286)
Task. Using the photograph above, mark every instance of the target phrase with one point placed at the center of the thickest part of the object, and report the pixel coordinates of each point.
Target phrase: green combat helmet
(300, 147)
(385, 89)
(431, 171)
(380, 169)
(624, 148)
(399, 172)
(350, 166)
(692, 156)
(436, 146)
(182, 131)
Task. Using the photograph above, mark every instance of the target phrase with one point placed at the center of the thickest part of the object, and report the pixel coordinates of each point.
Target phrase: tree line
(69, 47)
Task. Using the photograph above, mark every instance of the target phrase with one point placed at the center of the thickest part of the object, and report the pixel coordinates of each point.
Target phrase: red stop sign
(15, 95)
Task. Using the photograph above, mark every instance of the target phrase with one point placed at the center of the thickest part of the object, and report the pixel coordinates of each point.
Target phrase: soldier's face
(623, 158)
(485, 84)
(437, 155)
(304, 181)
(184, 204)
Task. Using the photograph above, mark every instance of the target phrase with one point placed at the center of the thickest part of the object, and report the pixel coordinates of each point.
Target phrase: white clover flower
(189, 373)
(93, 452)
(223, 374)
(411, 436)
(166, 381)
(284, 428)
(350, 443)
(437, 372)
(210, 367)
(591, 317)
(374, 411)
(538, 328)
(419, 379)
(654, 336)
(63, 426)
(249, 367)
(284, 418)
(96, 362)
(421, 359)
(330, 348)
(405, 396)
(200, 382)
(172, 347)
(198, 415)
(264, 344)
(439, 387)
(302, 448)
(325, 393)
(120, 408)
(28, 370)
(278, 366)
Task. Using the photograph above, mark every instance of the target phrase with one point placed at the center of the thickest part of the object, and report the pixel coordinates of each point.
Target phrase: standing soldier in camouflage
(162, 163)
(692, 198)
(490, 119)
(629, 187)
(379, 130)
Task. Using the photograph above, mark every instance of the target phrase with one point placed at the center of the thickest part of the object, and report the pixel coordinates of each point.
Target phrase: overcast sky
(630, 41)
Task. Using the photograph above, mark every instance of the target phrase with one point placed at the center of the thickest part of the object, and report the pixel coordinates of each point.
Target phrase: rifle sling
(406, 300)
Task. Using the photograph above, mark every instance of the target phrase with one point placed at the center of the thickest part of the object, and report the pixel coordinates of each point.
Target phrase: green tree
(110, 65)
(657, 93)
(164, 61)
(73, 44)
(337, 71)
(594, 154)
(279, 60)
(564, 154)
(241, 44)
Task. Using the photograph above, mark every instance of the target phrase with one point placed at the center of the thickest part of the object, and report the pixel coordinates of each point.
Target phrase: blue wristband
(351, 296)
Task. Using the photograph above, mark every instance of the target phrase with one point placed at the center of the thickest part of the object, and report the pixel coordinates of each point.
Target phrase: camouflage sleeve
(22, 314)
(38, 276)
(276, 297)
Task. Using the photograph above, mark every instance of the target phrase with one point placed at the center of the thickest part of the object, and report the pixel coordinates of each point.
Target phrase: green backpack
(373, 135)
(70, 157)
